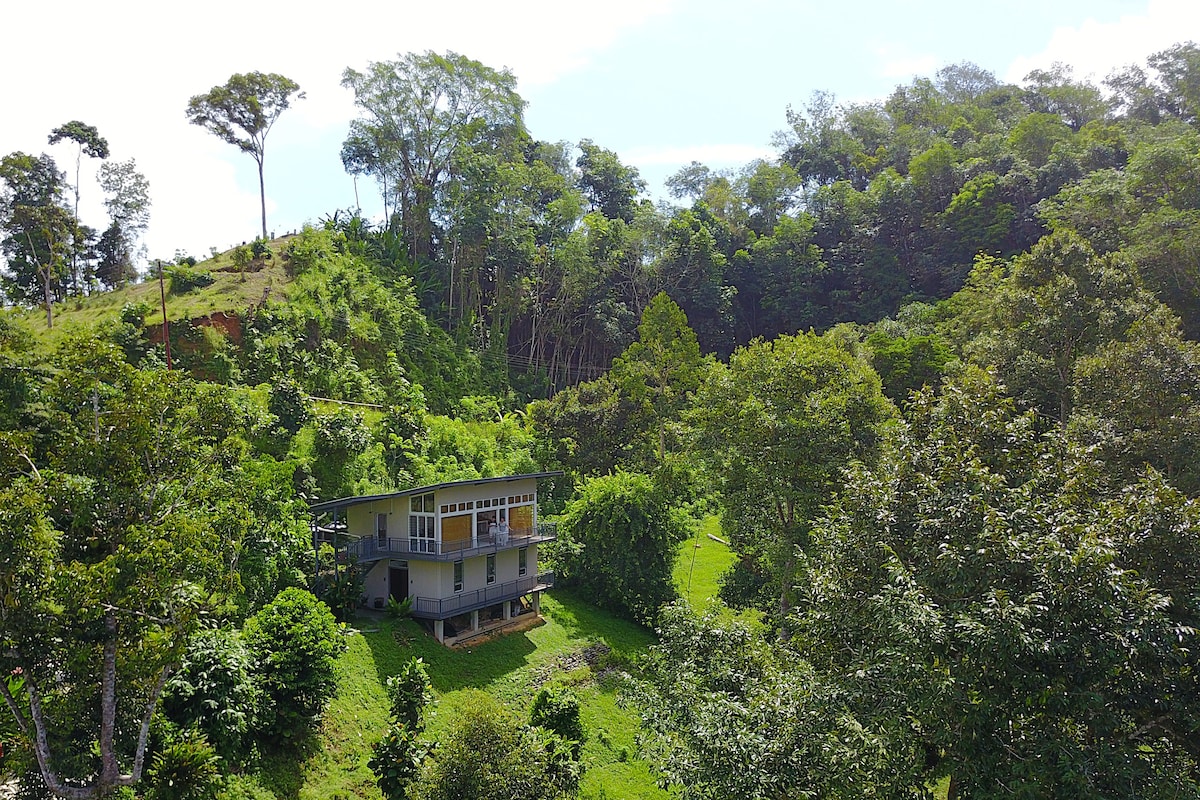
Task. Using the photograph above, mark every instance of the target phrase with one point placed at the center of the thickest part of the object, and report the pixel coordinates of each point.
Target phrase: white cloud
(1095, 49)
(128, 67)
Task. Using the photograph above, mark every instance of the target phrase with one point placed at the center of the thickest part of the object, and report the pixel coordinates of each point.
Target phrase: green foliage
(214, 692)
(185, 279)
(287, 402)
(556, 708)
(410, 693)
(399, 609)
(620, 535)
(295, 640)
(488, 753)
(396, 761)
(778, 428)
(185, 769)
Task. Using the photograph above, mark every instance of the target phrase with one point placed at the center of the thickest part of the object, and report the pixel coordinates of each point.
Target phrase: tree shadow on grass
(582, 620)
(476, 666)
(393, 642)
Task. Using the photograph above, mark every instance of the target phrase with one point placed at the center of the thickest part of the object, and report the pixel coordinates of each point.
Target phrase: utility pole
(162, 293)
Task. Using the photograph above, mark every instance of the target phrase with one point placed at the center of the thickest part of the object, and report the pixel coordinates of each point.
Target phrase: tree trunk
(262, 195)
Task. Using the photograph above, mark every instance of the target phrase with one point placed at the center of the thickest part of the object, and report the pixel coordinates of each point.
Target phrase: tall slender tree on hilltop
(91, 144)
(247, 104)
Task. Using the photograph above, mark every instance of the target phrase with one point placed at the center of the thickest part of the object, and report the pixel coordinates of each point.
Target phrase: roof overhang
(346, 502)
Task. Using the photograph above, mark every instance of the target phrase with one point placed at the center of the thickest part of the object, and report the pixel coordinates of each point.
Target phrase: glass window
(522, 560)
(458, 576)
(491, 569)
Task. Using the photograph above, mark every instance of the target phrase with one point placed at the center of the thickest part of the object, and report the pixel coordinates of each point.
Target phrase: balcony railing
(371, 548)
(462, 602)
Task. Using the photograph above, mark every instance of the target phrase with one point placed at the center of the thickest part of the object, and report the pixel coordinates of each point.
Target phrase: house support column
(507, 610)
(475, 620)
(439, 630)
(537, 602)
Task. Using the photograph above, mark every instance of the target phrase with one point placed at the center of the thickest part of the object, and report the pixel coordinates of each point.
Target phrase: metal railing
(370, 548)
(462, 602)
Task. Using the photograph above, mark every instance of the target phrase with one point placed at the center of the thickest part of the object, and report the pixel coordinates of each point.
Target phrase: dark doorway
(398, 583)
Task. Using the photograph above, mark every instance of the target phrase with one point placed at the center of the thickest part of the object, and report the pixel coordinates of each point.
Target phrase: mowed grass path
(511, 668)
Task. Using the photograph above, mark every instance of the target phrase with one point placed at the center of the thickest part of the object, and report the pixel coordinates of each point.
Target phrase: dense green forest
(932, 372)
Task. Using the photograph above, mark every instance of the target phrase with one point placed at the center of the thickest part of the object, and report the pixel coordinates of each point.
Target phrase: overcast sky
(662, 82)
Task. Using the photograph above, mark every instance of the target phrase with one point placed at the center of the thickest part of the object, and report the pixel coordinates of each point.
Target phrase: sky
(660, 82)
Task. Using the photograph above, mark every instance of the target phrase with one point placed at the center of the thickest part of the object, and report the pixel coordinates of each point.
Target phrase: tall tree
(128, 205)
(242, 112)
(122, 532)
(91, 144)
(38, 228)
(779, 427)
(418, 111)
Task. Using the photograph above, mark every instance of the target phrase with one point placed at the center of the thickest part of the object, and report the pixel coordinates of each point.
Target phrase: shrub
(287, 402)
(620, 536)
(410, 692)
(185, 769)
(556, 708)
(296, 641)
(184, 279)
(214, 691)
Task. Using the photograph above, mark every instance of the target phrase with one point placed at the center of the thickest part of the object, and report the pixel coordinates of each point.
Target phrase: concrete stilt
(475, 620)
(537, 602)
(507, 610)
(439, 630)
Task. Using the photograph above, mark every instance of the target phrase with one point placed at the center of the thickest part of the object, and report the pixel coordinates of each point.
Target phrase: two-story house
(465, 552)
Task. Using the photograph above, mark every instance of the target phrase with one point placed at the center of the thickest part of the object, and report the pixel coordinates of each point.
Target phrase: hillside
(232, 293)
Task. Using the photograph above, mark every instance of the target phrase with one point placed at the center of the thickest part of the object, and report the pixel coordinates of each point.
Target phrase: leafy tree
(213, 692)
(128, 207)
(779, 426)
(990, 608)
(296, 641)
(610, 185)
(397, 758)
(556, 708)
(287, 402)
(488, 754)
(116, 545)
(620, 535)
(419, 111)
(90, 143)
(242, 113)
(38, 228)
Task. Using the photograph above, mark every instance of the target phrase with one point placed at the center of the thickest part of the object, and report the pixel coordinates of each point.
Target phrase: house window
(458, 576)
(381, 529)
(422, 503)
(491, 569)
(522, 560)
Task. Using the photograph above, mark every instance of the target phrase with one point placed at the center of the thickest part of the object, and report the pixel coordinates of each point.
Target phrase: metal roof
(346, 502)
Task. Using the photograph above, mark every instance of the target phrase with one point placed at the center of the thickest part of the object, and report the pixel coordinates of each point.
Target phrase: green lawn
(511, 668)
(700, 564)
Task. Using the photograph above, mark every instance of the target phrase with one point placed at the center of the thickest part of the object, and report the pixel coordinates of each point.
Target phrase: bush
(185, 769)
(620, 536)
(296, 641)
(184, 279)
(287, 402)
(214, 692)
(488, 753)
(556, 708)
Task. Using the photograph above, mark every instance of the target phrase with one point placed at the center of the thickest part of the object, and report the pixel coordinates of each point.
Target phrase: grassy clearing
(700, 563)
(230, 291)
(511, 668)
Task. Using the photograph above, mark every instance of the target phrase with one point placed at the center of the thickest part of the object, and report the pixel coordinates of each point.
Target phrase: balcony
(369, 549)
(463, 602)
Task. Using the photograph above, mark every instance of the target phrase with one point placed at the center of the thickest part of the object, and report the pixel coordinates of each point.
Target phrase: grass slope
(511, 668)
(230, 291)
